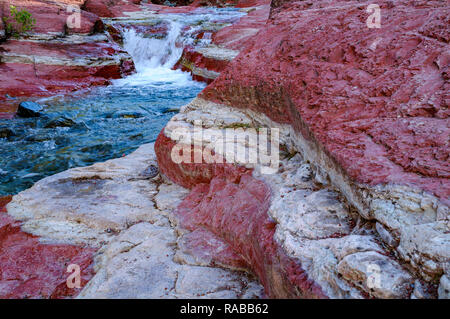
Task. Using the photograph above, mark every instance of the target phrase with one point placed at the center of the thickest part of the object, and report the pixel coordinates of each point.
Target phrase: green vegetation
(19, 22)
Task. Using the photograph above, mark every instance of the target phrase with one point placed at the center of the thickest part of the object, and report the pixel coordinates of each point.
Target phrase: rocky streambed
(347, 214)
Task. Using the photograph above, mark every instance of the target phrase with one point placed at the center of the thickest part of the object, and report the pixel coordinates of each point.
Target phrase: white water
(154, 59)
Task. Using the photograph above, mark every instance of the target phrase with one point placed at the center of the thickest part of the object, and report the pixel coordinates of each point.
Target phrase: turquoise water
(109, 122)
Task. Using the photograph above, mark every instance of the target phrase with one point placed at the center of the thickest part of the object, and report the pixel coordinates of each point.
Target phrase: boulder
(29, 109)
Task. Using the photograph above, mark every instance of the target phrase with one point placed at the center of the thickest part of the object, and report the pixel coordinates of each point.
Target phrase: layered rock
(367, 109)
(205, 63)
(358, 206)
(123, 209)
(298, 236)
(30, 269)
(58, 56)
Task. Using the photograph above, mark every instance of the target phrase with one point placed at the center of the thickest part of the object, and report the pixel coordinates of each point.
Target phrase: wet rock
(29, 109)
(99, 149)
(136, 136)
(150, 172)
(39, 137)
(107, 205)
(127, 114)
(80, 126)
(6, 132)
(170, 110)
(61, 121)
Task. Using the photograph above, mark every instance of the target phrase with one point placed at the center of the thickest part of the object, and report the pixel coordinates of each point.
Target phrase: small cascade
(153, 53)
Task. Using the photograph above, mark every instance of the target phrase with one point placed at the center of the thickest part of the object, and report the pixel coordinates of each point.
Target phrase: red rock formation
(29, 269)
(206, 64)
(48, 61)
(375, 99)
(109, 9)
(370, 107)
(231, 206)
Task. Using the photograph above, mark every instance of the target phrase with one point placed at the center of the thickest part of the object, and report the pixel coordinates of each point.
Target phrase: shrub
(19, 22)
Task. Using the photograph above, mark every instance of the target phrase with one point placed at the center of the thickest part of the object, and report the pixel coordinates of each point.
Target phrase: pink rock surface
(375, 99)
(109, 9)
(29, 269)
(51, 16)
(25, 80)
(239, 35)
(228, 204)
(55, 70)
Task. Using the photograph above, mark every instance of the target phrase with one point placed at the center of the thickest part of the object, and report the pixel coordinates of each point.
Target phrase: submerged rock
(150, 172)
(61, 121)
(29, 109)
(38, 137)
(127, 114)
(6, 132)
(98, 149)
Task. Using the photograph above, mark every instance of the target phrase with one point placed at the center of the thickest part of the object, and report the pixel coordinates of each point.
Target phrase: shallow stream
(112, 121)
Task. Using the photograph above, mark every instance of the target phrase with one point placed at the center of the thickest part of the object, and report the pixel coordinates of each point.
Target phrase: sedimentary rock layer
(30, 269)
(206, 63)
(298, 236)
(126, 213)
(366, 107)
(62, 53)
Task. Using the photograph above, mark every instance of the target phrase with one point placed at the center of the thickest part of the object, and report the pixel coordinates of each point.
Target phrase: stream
(112, 121)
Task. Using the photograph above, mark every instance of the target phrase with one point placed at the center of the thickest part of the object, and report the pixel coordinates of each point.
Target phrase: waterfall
(154, 59)
(154, 53)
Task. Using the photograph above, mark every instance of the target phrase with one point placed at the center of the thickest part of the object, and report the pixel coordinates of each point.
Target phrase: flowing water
(111, 121)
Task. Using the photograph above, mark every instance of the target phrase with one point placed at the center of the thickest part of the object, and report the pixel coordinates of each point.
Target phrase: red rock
(52, 17)
(238, 35)
(29, 269)
(234, 37)
(43, 67)
(376, 100)
(191, 57)
(109, 9)
(61, 50)
(46, 80)
(232, 206)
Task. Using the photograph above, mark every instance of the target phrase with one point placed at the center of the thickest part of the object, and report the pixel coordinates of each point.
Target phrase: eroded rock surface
(116, 207)
(59, 55)
(316, 242)
(206, 63)
(31, 269)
